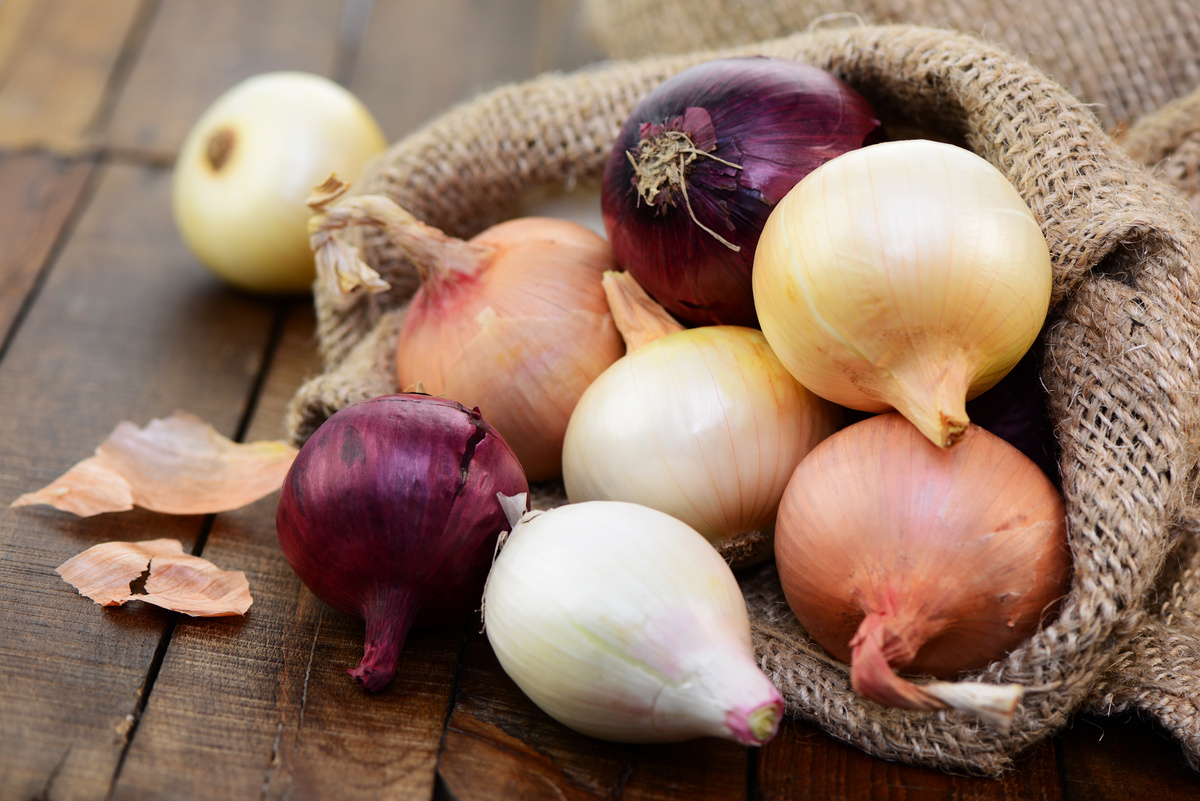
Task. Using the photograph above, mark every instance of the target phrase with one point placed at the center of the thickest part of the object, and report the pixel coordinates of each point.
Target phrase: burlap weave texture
(1119, 352)
(1127, 57)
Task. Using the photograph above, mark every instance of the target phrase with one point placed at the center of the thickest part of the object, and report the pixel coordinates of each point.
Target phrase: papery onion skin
(905, 275)
(774, 120)
(389, 513)
(521, 338)
(249, 163)
(704, 424)
(955, 556)
(623, 623)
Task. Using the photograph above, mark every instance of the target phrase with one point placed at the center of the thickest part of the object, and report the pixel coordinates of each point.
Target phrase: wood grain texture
(418, 58)
(1106, 759)
(40, 192)
(125, 327)
(56, 61)
(195, 51)
(803, 762)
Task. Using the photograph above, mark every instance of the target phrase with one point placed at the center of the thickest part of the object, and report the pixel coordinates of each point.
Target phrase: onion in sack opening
(906, 275)
(389, 513)
(899, 555)
(623, 623)
(704, 424)
(700, 163)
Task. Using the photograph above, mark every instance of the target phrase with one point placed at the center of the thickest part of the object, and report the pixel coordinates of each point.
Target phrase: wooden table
(105, 317)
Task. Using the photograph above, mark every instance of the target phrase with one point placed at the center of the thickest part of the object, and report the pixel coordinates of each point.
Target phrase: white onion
(249, 164)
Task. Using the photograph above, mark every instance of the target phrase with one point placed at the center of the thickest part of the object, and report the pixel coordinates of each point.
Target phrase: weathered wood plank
(419, 59)
(267, 699)
(126, 326)
(803, 762)
(56, 60)
(39, 195)
(500, 745)
(195, 51)
(1106, 759)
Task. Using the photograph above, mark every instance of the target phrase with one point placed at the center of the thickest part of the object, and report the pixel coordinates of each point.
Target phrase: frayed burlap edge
(1119, 351)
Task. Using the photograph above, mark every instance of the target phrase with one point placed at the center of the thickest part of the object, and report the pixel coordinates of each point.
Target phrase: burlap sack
(1129, 57)
(1119, 351)
(1158, 671)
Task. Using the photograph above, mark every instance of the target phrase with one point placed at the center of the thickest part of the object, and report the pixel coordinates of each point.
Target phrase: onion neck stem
(872, 676)
(389, 616)
(638, 317)
(436, 256)
(930, 390)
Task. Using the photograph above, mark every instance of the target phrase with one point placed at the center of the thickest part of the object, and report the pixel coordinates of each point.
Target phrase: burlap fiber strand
(1119, 352)
(1127, 56)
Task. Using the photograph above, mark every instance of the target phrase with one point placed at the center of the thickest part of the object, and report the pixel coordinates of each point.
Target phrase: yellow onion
(906, 275)
(897, 555)
(249, 164)
(704, 424)
(513, 321)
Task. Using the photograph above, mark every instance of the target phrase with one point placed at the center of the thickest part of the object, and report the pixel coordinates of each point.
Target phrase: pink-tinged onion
(513, 321)
(896, 554)
(701, 162)
(390, 513)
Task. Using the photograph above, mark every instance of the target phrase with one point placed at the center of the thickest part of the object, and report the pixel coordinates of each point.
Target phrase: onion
(513, 321)
(906, 275)
(703, 423)
(899, 555)
(249, 163)
(389, 513)
(1015, 410)
(624, 624)
(700, 163)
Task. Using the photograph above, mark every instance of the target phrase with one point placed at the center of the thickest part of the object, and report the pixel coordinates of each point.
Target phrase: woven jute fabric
(1168, 142)
(1119, 351)
(1129, 57)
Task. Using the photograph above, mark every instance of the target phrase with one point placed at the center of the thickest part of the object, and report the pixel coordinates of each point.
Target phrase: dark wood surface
(105, 317)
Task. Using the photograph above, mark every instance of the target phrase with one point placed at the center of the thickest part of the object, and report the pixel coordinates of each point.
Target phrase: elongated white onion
(704, 424)
(623, 623)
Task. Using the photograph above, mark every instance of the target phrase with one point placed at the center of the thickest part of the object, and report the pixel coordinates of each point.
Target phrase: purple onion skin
(1015, 410)
(389, 513)
(775, 118)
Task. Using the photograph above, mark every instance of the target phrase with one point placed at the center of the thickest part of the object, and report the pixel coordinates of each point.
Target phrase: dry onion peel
(177, 581)
(907, 275)
(899, 555)
(177, 465)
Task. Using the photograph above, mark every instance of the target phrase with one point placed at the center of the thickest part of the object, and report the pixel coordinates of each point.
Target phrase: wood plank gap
(135, 40)
(82, 201)
(283, 311)
(155, 667)
(440, 791)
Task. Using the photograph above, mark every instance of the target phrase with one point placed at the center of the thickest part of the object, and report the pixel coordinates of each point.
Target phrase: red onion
(390, 513)
(701, 162)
